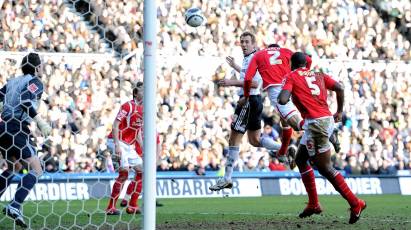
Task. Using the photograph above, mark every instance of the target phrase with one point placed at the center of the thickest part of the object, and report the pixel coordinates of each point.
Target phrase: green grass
(270, 212)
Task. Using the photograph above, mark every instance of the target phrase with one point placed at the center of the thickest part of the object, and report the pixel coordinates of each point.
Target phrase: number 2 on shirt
(315, 90)
(273, 58)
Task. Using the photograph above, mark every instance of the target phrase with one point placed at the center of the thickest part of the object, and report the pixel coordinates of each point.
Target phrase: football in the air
(194, 17)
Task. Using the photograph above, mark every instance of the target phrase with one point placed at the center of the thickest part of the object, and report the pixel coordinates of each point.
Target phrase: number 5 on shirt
(315, 90)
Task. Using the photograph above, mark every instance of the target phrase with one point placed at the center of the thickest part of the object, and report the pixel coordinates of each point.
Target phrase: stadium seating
(194, 114)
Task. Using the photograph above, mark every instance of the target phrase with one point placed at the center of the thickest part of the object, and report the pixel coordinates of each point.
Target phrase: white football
(194, 17)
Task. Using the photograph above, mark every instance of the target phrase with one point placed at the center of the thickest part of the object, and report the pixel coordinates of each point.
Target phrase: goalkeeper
(19, 100)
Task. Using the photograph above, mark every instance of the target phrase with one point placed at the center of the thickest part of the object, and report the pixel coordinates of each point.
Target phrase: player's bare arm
(236, 83)
(116, 132)
(339, 90)
(231, 62)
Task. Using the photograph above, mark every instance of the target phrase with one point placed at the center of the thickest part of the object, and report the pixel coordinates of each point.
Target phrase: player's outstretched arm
(231, 62)
(237, 83)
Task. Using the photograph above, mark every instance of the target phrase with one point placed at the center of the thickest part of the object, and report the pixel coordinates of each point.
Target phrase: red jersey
(131, 120)
(309, 92)
(273, 64)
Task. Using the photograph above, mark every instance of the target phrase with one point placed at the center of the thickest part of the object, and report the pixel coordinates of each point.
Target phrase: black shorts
(248, 117)
(15, 141)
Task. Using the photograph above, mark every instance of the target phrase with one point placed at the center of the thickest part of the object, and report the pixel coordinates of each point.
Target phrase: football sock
(268, 143)
(130, 189)
(5, 179)
(341, 186)
(285, 140)
(117, 186)
(138, 181)
(307, 175)
(25, 185)
(233, 152)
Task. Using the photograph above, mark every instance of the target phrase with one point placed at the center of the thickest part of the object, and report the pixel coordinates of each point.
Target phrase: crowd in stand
(82, 98)
(45, 25)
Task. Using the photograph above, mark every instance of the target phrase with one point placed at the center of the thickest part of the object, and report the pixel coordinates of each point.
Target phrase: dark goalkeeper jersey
(20, 98)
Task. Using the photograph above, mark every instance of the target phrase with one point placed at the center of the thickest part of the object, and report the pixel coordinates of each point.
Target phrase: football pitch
(269, 212)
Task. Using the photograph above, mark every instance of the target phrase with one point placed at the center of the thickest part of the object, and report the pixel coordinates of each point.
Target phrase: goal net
(92, 55)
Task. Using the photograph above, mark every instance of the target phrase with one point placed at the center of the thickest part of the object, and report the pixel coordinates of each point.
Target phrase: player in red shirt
(309, 93)
(247, 118)
(122, 141)
(273, 63)
(135, 186)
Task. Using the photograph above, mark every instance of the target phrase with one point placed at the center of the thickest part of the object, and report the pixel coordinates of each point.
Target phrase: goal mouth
(88, 63)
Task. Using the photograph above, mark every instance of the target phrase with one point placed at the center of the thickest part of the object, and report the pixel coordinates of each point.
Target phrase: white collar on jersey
(250, 53)
(137, 101)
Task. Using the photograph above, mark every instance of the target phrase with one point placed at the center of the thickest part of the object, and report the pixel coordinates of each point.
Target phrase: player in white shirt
(247, 118)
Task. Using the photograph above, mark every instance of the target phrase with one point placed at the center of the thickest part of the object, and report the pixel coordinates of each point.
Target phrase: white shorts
(129, 156)
(317, 133)
(286, 111)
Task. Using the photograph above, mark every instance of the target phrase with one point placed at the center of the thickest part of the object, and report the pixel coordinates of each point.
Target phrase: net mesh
(89, 69)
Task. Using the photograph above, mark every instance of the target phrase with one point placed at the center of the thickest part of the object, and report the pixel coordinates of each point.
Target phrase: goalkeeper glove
(42, 125)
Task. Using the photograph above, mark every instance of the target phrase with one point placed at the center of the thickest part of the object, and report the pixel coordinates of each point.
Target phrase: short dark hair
(247, 33)
(137, 86)
(298, 60)
(273, 45)
(29, 63)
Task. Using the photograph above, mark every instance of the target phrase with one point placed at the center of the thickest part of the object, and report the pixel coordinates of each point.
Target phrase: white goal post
(149, 179)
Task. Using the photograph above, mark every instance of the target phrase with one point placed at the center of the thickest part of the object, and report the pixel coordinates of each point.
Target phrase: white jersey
(257, 78)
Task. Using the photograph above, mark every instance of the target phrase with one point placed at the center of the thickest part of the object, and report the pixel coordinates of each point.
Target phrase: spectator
(213, 165)
(366, 170)
(346, 39)
(352, 168)
(386, 168)
(262, 165)
(163, 166)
